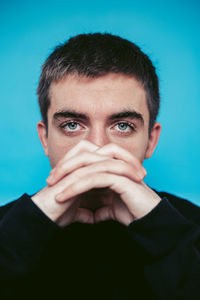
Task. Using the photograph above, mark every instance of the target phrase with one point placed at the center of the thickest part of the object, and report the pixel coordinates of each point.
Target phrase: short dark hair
(94, 55)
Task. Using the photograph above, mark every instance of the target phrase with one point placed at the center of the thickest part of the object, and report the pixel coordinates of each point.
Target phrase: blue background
(168, 31)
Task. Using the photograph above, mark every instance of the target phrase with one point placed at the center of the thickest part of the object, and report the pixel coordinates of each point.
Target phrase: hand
(67, 212)
(135, 198)
(108, 167)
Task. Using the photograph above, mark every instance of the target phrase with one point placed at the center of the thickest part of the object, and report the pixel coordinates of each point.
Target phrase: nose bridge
(98, 135)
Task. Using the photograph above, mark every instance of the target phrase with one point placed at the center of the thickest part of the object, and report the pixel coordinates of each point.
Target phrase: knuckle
(85, 157)
(89, 156)
(83, 143)
(111, 147)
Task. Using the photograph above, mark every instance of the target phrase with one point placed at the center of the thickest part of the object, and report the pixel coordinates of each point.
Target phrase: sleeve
(170, 247)
(24, 232)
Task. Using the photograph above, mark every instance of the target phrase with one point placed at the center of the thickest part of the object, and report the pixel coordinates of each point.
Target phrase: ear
(42, 132)
(153, 139)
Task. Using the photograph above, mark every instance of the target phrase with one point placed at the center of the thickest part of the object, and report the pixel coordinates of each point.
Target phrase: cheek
(58, 149)
(136, 147)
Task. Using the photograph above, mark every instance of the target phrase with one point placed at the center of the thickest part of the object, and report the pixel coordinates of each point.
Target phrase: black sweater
(156, 257)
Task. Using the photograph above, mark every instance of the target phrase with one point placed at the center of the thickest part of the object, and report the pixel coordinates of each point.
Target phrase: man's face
(108, 109)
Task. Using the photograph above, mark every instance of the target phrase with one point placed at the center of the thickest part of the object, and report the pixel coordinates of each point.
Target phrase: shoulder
(5, 208)
(185, 207)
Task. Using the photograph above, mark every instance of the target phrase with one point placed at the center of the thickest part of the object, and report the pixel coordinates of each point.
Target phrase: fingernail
(141, 175)
(52, 172)
(144, 172)
(50, 179)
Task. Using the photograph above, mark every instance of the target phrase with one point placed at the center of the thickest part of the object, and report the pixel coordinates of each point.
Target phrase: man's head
(94, 81)
(96, 55)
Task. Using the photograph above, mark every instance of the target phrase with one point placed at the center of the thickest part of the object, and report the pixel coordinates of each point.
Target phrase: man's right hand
(69, 212)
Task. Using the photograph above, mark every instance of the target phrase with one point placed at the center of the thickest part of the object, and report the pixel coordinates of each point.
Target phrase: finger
(117, 152)
(111, 166)
(103, 214)
(139, 199)
(84, 216)
(70, 165)
(75, 214)
(86, 183)
(80, 147)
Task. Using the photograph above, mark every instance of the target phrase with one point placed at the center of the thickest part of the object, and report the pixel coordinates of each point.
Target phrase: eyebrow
(69, 114)
(132, 114)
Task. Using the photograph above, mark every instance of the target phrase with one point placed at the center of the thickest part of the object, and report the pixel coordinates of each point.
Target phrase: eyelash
(131, 126)
(67, 123)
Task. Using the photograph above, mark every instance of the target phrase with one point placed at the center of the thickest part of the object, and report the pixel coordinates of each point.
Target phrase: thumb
(84, 215)
(103, 214)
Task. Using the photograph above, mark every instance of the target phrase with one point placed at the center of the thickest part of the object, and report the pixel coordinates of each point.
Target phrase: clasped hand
(86, 167)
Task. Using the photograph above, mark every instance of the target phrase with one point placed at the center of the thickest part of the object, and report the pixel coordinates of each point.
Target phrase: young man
(97, 231)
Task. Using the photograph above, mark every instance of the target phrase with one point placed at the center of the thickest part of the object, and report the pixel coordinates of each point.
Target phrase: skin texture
(97, 140)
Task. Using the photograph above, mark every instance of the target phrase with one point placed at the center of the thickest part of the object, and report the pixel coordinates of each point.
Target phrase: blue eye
(71, 126)
(124, 126)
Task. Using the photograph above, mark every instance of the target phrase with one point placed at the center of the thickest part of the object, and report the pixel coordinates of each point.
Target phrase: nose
(98, 136)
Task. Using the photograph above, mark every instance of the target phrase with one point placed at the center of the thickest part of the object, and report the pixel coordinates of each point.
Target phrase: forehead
(98, 96)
